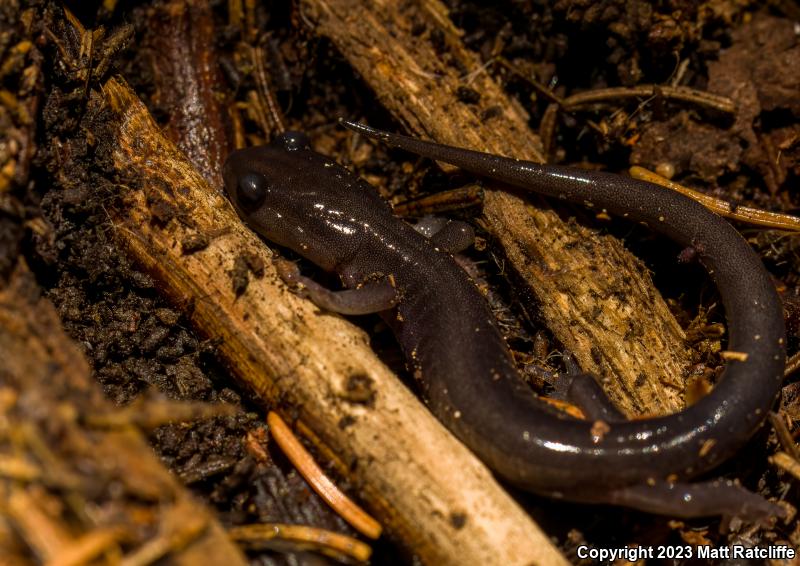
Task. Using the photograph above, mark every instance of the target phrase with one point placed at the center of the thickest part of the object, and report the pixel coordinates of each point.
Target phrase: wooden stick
(422, 484)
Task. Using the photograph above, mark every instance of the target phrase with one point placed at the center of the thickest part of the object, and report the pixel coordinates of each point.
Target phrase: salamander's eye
(251, 190)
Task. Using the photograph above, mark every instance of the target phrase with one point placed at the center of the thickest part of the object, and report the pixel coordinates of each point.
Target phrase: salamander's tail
(467, 159)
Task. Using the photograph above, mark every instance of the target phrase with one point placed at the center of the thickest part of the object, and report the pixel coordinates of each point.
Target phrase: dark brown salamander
(302, 200)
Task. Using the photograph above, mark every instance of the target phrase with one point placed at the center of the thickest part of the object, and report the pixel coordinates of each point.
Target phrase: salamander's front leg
(371, 297)
(451, 236)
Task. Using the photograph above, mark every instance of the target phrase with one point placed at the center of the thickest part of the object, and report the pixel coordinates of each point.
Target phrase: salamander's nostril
(292, 141)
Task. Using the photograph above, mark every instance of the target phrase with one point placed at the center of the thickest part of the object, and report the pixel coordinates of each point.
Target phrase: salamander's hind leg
(451, 236)
(371, 297)
(701, 499)
(582, 390)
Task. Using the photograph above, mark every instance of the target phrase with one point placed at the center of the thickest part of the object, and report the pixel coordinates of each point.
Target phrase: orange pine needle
(746, 214)
(319, 482)
(325, 542)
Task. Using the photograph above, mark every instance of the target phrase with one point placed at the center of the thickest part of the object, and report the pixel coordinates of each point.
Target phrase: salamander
(302, 200)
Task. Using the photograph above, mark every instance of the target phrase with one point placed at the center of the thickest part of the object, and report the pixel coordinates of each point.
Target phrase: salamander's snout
(229, 176)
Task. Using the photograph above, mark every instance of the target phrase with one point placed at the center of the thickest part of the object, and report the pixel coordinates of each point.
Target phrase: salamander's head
(300, 199)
